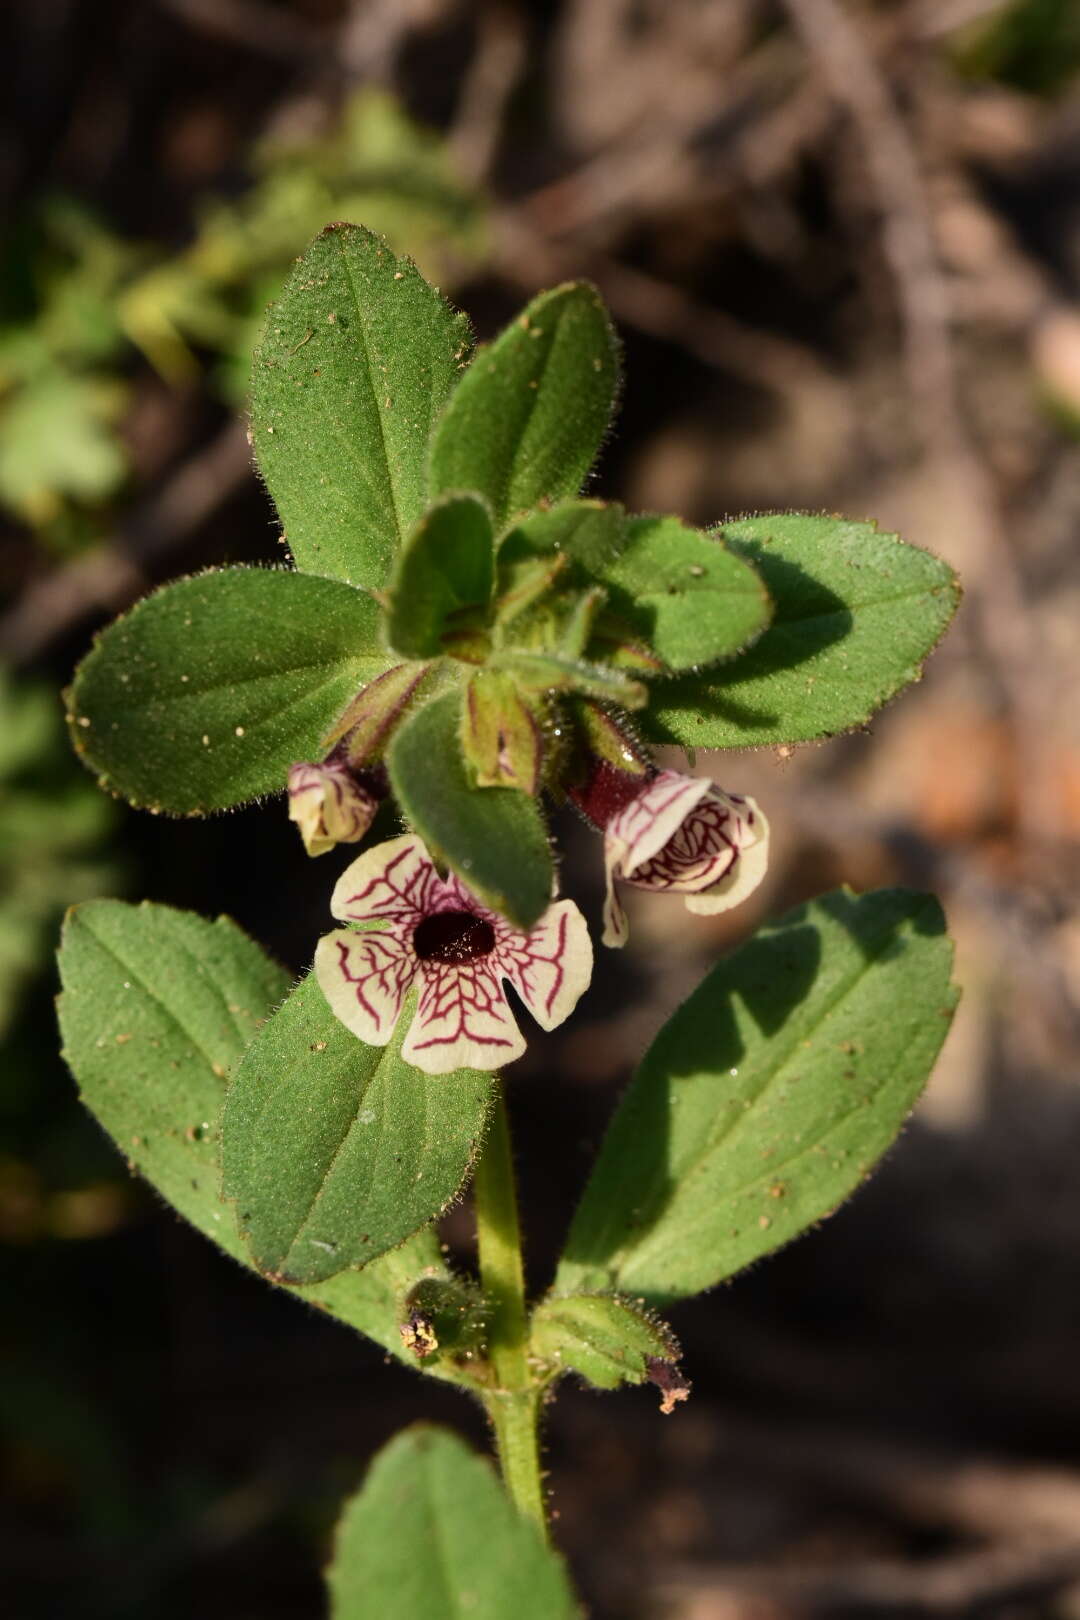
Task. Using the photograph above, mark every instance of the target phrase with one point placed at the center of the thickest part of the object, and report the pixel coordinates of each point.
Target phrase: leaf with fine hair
(357, 359)
(335, 1151)
(606, 1340)
(431, 1532)
(494, 838)
(685, 594)
(856, 614)
(446, 569)
(768, 1096)
(527, 419)
(588, 534)
(157, 1005)
(207, 691)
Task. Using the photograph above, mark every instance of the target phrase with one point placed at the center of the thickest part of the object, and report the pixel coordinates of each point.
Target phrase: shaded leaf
(336, 1151)
(588, 534)
(767, 1097)
(684, 593)
(856, 614)
(526, 421)
(357, 358)
(367, 723)
(207, 691)
(433, 1533)
(494, 838)
(157, 1005)
(447, 567)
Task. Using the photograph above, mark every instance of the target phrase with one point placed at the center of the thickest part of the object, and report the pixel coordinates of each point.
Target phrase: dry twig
(488, 84)
(857, 85)
(108, 578)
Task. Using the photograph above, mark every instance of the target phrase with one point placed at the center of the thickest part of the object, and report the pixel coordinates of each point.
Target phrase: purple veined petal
(394, 882)
(462, 1020)
(700, 852)
(706, 849)
(616, 924)
(328, 805)
(715, 854)
(641, 830)
(365, 979)
(744, 874)
(551, 966)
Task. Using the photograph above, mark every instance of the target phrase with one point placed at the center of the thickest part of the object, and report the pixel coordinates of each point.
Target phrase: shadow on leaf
(772, 975)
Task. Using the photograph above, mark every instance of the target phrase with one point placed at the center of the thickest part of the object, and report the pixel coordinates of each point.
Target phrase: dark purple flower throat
(453, 936)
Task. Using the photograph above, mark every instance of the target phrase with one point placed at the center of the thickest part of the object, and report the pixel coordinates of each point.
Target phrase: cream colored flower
(432, 933)
(329, 805)
(682, 835)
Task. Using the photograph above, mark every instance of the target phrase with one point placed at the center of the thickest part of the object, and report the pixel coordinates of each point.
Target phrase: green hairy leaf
(767, 1097)
(357, 359)
(606, 1340)
(494, 838)
(446, 568)
(688, 597)
(589, 534)
(336, 1151)
(207, 691)
(157, 1006)
(526, 421)
(545, 672)
(856, 615)
(432, 1534)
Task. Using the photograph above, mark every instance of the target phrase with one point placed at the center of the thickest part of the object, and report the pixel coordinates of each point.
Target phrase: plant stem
(514, 1405)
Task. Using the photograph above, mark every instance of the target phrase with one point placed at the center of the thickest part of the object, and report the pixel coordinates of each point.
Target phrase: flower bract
(422, 931)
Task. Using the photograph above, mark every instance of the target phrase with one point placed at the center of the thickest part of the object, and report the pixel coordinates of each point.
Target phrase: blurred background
(842, 245)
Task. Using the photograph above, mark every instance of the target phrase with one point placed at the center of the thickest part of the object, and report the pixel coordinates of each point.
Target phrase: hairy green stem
(514, 1404)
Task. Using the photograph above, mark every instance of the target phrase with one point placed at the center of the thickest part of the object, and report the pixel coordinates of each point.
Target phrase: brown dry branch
(266, 29)
(489, 82)
(1028, 1519)
(111, 576)
(857, 85)
(372, 33)
(965, 1583)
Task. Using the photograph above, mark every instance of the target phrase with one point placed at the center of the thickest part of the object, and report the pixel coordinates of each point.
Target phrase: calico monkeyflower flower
(672, 834)
(430, 932)
(683, 835)
(330, 804)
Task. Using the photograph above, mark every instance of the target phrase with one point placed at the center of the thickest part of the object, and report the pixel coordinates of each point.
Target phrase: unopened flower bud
(331, 804)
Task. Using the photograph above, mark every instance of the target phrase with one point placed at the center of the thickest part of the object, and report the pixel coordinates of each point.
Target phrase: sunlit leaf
(607, 1341)
(336, 1151)
(207, 691)
(157, 1006)
(856, 613)
(357, 359)
(767, 1097)
(526, 421)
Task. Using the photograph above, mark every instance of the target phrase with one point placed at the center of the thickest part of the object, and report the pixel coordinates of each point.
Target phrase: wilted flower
(431, 932)
(330, 804)
(682, 835)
